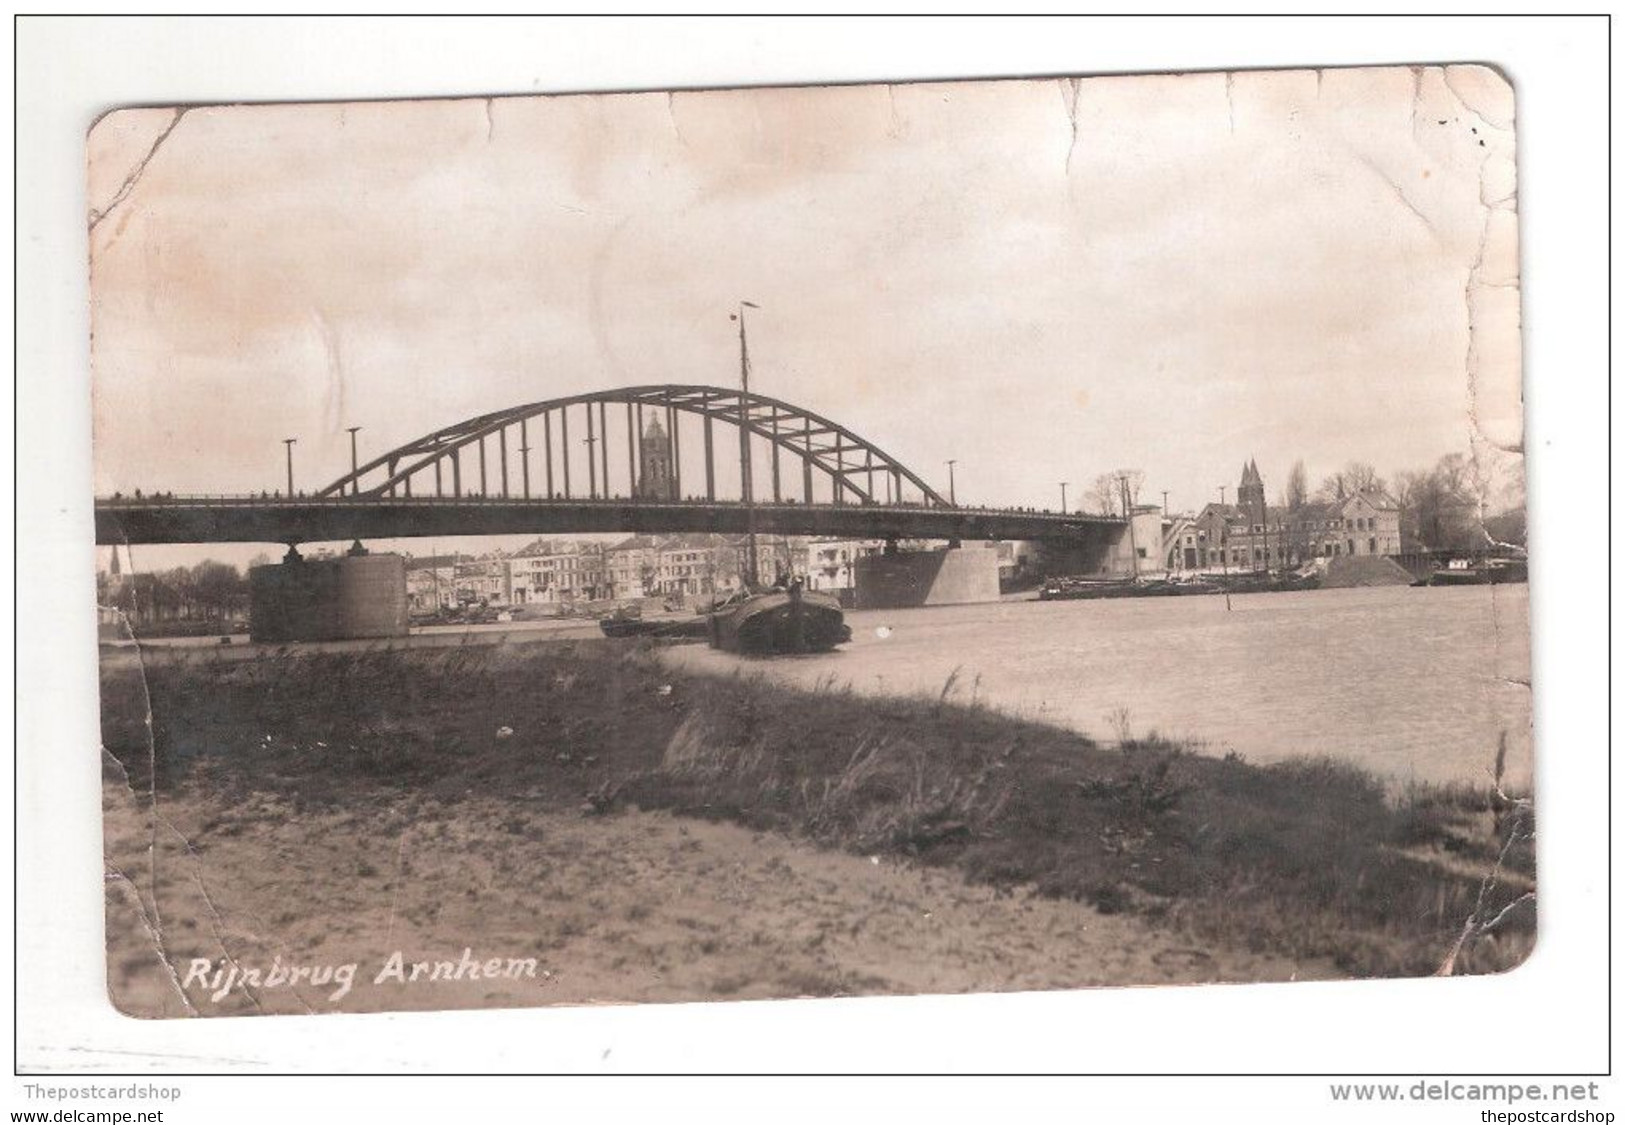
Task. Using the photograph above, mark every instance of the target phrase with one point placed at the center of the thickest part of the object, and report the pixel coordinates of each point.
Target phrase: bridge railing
(273, 500)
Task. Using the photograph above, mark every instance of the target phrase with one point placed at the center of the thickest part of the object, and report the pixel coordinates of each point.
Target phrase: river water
(1413, 683)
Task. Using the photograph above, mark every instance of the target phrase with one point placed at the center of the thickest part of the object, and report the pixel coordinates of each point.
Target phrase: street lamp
(1063, 497)
(952, 500)
(289, 442)
(747, 492)
(355, 484)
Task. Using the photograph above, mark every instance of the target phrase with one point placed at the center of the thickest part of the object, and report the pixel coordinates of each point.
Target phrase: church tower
(1250, 494)
(654, 476)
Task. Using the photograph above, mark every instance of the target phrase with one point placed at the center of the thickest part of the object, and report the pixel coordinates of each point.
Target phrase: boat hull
(681, 629)
(1501, 573)
(777, 623)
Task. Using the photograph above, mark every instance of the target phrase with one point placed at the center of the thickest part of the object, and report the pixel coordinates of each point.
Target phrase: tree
(217, 588)
(1105, 494)
(1134, 479)
(1350, 480)
(1297, 486)
(177, 591)
(1509, 528)
(1439, 508)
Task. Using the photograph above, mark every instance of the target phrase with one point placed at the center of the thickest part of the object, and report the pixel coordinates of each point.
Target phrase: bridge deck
(245, 519)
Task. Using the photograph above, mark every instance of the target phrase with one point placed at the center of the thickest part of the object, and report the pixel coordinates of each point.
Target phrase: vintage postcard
(734, 544)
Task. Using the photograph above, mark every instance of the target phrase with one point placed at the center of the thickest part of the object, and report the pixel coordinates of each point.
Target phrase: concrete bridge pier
(953, 575)
(361, 595)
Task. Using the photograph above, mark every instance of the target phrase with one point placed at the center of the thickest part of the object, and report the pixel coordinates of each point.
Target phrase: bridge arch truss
(805, 457)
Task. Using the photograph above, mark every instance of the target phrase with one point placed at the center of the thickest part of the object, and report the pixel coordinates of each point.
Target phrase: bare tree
(1439, 508)
(1105, 494)
(1134, 478)
(1297, 486)
(1350, 480)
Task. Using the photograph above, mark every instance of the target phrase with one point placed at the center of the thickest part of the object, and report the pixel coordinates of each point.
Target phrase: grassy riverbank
(1308, 859)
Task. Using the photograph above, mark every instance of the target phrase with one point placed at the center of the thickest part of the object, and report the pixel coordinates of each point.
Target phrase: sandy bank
(628, 908)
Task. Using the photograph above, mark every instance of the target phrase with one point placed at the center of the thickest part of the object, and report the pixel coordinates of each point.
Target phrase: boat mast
(744, 450)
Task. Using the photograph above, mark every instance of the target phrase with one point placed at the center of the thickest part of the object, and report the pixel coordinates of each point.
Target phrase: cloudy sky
(1044, 280)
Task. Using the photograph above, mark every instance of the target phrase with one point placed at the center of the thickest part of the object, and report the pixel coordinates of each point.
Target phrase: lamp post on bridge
(952, 500)
(355, 483)
(746, 489)
(290, 442)
(1128, 514)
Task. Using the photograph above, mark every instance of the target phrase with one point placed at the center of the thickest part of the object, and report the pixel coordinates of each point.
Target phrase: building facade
(1251, 535)
(632, 567)
(551, 572)
(832, 563)
(431, 583)
(481, 581)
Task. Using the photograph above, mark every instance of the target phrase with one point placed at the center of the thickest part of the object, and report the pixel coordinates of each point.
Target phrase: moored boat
(783, 620)
(628, 621)
(1485, 572)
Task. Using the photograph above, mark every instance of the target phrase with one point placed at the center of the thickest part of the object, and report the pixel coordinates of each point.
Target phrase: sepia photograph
(738, 544)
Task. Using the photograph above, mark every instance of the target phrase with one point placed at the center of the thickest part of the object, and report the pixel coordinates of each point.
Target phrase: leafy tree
(217, 588)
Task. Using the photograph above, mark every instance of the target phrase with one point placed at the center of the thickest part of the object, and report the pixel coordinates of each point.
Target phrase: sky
(1043, 280)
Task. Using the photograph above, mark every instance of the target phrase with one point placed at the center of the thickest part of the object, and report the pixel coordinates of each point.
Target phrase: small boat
(1069, 587)
(1072, 588)
(1246, 582)
(1487, 572)
(782, 620)
(627, 621)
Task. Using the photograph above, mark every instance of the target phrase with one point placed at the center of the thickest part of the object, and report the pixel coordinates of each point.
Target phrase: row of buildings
(1251, 535)
(560, 573)
(1246, 535)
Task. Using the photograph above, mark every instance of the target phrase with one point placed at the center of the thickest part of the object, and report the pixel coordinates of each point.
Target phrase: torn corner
(97, 154)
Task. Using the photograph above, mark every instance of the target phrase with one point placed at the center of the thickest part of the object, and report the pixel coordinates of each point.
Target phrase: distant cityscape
(559, 572)
(1353, 513)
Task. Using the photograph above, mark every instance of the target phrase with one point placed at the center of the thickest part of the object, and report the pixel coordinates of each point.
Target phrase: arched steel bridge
(829, 453)
(608, 461)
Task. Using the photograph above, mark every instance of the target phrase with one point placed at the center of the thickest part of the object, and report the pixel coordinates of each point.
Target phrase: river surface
(1413, 683)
